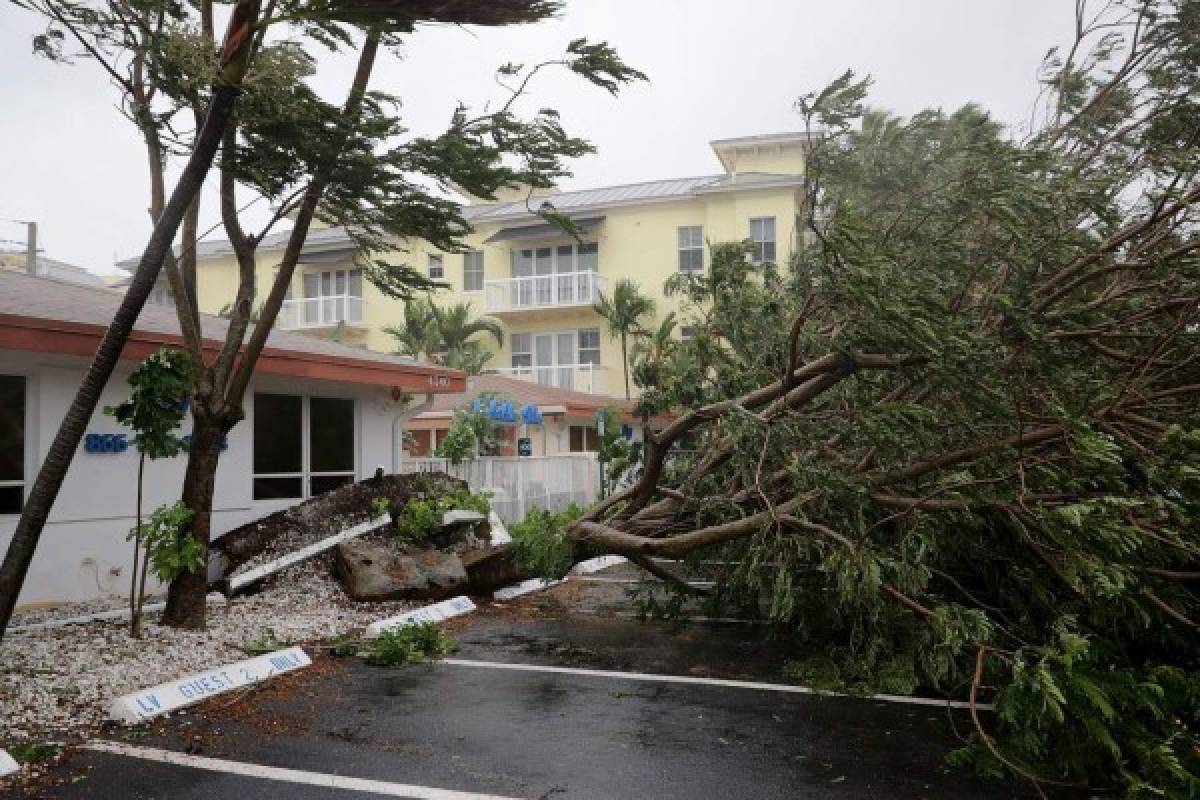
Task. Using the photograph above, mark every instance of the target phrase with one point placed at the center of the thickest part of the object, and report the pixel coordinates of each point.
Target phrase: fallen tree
(953, 445)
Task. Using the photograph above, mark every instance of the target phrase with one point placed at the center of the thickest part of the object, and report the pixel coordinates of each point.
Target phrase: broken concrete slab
(8, 764)
(326, 515)
(252, 576)
(374, 573)
(461, 531)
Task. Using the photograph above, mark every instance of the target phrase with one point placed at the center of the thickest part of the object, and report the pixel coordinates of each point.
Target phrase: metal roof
(23, 295)
(629, 194)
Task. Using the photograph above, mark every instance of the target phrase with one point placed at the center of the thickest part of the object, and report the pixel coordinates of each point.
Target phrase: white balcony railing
(560, 290)
(580, 377)
(321, 312)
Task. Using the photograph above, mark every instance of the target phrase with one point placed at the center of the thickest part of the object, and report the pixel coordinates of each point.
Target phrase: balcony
(588, 378)
(563, 290)
(313, 313)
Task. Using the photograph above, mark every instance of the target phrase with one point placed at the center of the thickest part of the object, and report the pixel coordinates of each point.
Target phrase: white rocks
(191, 689)
(47, 685)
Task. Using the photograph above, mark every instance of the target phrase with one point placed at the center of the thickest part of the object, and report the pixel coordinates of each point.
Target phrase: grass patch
(34, 752)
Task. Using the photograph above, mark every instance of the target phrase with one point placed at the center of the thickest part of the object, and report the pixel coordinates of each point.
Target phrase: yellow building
(540, 282)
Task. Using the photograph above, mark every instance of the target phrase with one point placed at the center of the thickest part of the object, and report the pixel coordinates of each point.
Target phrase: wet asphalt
(550, 735)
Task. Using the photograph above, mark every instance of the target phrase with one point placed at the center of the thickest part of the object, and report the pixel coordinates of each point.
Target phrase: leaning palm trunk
(66, 442)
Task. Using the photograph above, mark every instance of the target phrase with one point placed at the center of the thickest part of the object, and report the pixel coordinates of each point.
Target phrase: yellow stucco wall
(636, 241)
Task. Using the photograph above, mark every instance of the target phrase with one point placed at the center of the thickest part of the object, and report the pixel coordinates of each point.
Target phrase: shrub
(412, 644)
(539, 542)
(421, 517)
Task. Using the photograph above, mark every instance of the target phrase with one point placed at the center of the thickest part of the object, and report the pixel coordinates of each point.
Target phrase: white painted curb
(8, 764)
(434, 613)
(598, 563)
(500, 534)
(258, 573)
(167, 697)
(537, 584)
(116, 613)
(524, 587)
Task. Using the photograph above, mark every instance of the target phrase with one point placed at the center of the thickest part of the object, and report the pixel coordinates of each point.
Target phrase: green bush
(420, 518)
(172, 551)
(539, 542)
(412, 644)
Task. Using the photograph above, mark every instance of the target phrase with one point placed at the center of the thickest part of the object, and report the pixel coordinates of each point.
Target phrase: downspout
(397, 426)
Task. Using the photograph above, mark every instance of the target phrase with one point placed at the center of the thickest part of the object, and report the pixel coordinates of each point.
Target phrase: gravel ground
(60, 682)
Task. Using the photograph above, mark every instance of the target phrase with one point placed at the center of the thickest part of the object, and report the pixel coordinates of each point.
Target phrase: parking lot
(559, 694)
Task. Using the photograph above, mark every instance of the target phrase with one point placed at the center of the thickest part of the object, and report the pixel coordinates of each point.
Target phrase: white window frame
(759, 254)
(580, 349)
(436, 267)
(522, 351)
(690, 241)
(470, 271)
(26, 443)
(306, 473)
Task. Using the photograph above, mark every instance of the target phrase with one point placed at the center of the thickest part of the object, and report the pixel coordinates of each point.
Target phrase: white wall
(83, 554)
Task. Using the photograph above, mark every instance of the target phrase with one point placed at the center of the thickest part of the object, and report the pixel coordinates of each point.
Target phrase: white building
(319, 414)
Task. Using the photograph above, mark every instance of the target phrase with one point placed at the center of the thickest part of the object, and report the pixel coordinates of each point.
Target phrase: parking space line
(285, 775)
(649, 677)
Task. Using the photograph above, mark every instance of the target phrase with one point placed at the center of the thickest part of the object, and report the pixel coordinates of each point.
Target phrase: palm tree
(624, 312)
(456, 327)
(417, 336)
(445, 335)
(650, 352)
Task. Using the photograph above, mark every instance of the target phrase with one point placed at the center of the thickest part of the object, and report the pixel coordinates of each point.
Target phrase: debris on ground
(61, 681)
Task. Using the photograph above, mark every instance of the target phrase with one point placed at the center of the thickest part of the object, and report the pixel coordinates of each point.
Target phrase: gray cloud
(717, 69)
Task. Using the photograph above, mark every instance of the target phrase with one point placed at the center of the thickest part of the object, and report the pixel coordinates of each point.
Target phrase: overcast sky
(717, 69)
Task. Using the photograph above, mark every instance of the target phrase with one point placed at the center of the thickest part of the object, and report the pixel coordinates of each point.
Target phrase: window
(12, 444)
(589, 346)
(473, 271)
(330, 443)
(303, 446)
(691, 248)
(332, 296)
(584, 439)
(762, 235)
(437, 269)
(687, 332)
(522, 351)
(588, 257)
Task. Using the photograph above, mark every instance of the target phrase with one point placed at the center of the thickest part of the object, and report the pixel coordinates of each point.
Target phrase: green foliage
(172, 551)
(34, 752)
(157, 402)
(445, 336)
(420, 517)
(540, 544)
(963, 421)
(471, 433)
(625, 311)
(380, 506)
(411, 644)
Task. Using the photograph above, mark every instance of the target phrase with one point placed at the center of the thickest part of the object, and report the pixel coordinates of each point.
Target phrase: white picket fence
(520, 484)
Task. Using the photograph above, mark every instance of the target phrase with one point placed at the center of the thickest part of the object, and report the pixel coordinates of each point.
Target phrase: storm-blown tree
(446, 335)
(953, 447)
(345, 163)
(625, 311)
